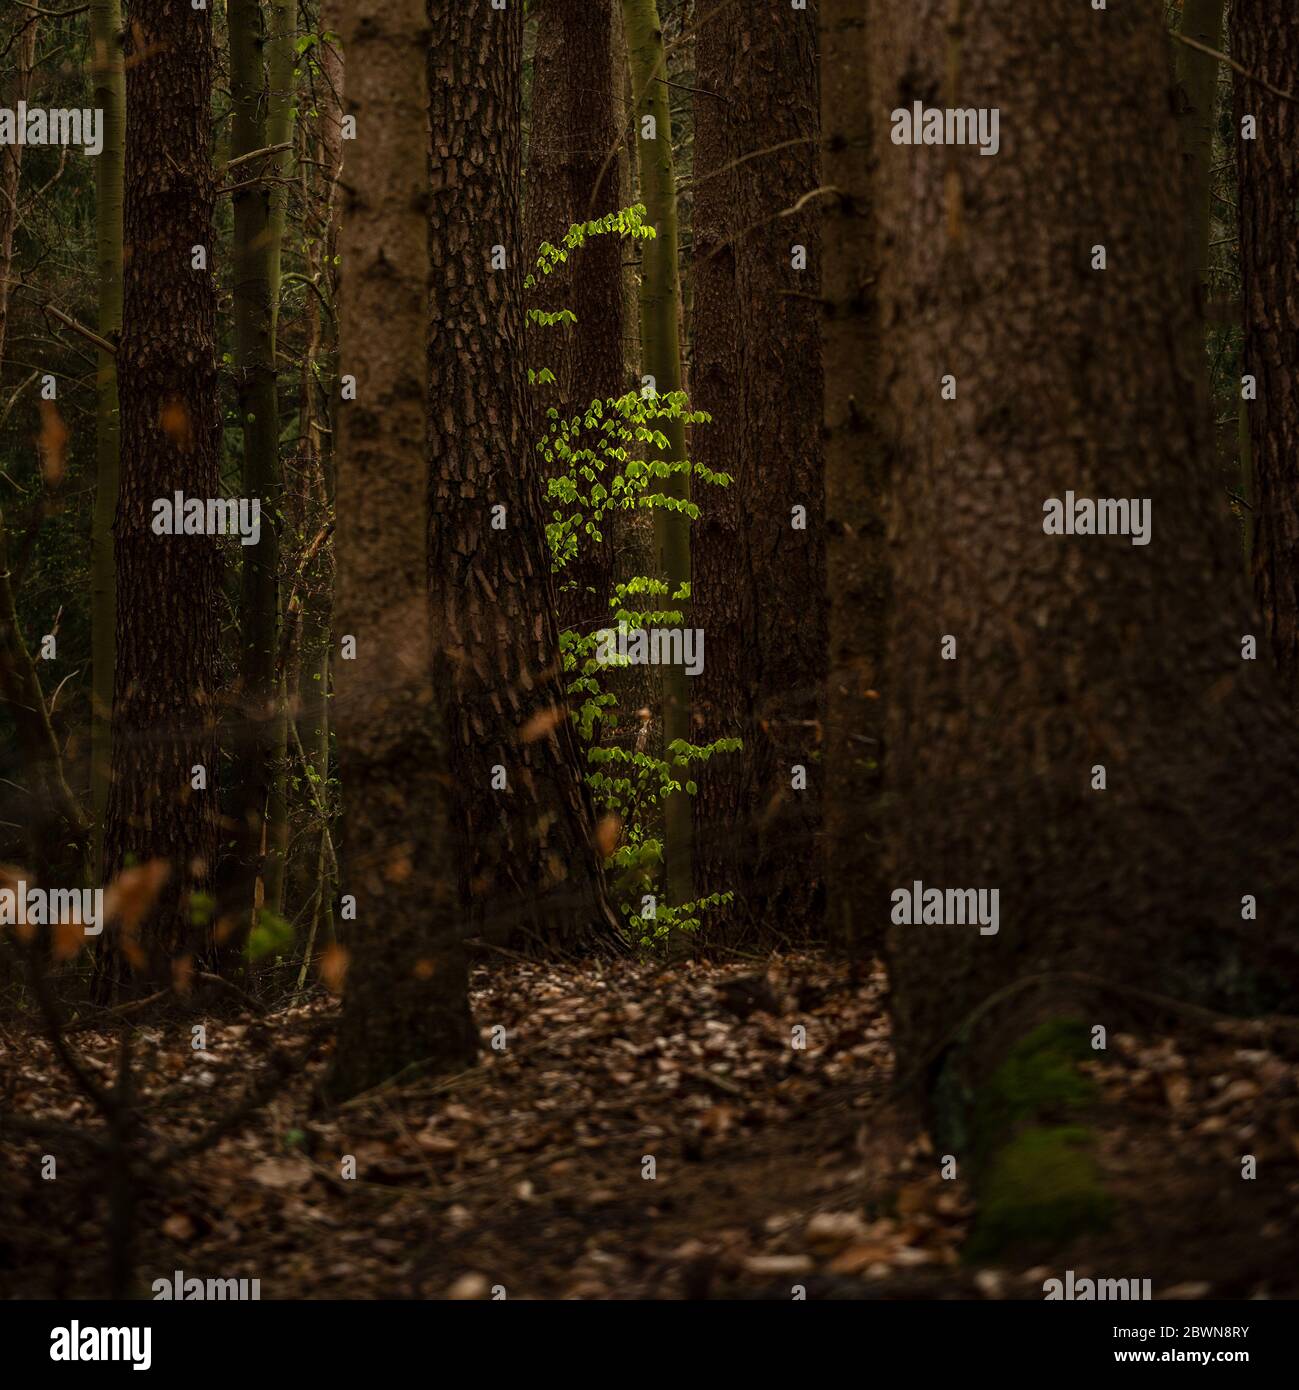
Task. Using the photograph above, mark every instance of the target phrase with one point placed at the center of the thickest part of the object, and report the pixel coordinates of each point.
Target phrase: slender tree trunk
(530, 867)
(109, 76)
(1266, 41)
(407, 989)
(162, 803)
(660, 317)
(758, 548)
(1197, 77)
(317, 433)
(257, 712)
(856, 476)
(280, 57)
(571, 178)
(1098, 748)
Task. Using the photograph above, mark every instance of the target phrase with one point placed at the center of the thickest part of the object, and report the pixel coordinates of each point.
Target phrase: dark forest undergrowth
(774, 1166)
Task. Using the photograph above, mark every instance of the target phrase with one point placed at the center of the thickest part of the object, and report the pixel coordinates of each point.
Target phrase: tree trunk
(406, 995)
(256, 713)
(109, 77)
(1096, 751)
(856, 474)
(660, 317)
(168, 586)
(573, 177)
(316, 431)
(1266, 41)
(758, 548)
(280, 58)
(530, 868)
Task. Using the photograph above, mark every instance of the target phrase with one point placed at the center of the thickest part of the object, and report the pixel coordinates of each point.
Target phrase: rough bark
(168, 587)
(530, 868)
(109, 78)
(856, 477)
(571, 177)
(406, 997)
(1073, 652)
(660, 319)
(758, 566)
(1266, 41)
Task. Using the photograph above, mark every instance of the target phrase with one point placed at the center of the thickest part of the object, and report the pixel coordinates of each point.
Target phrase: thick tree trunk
(758, 548)
(1265, 40)
(660, 320)
(257, 717)
(406, 995)
(109, 77)
(572, 177)
(856, 474)
(530, 868)
(168, 586)
(1097, 750)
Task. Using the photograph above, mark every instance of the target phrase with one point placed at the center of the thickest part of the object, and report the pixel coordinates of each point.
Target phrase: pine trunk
(758, 548)
(109, 78)
(168, 586)
(406, 997)
(530, 869)
(1099, 749)
(1266, 41)
(573, 177)
(856, 475)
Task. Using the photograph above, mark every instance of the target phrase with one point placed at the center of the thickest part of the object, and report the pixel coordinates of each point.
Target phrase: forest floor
(774, 1166)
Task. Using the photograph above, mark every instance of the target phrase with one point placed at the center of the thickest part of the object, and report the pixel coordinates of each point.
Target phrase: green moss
(1039, 1079)
(1036, 1175)
(1044, 1186)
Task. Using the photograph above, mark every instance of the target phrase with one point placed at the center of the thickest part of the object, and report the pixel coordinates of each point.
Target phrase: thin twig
(1232, 63)
(101, 343)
